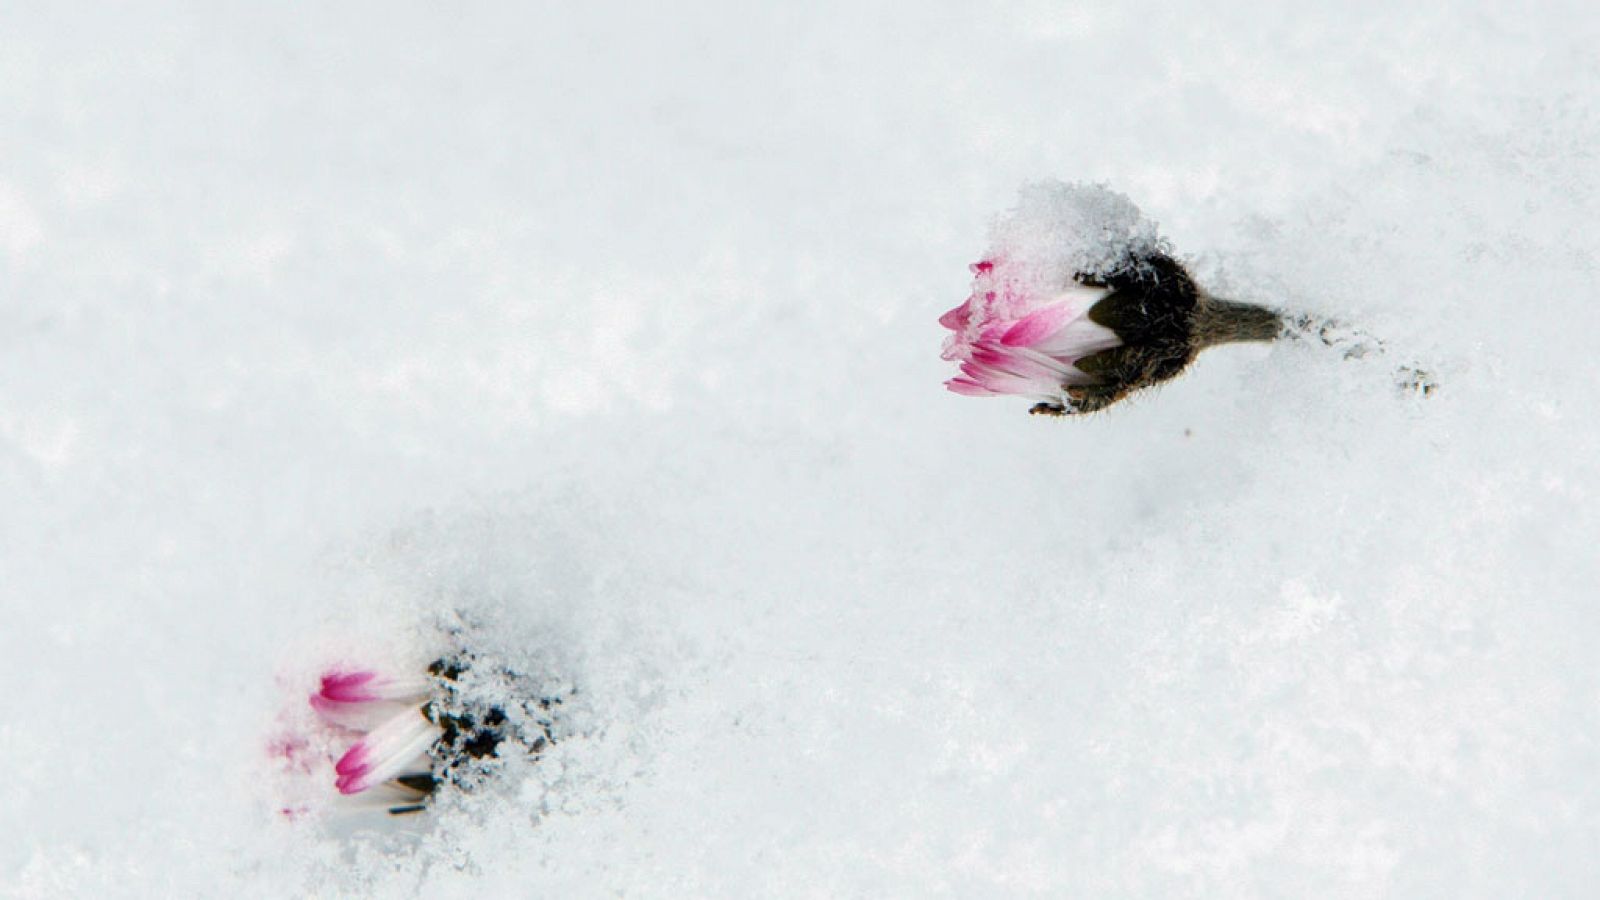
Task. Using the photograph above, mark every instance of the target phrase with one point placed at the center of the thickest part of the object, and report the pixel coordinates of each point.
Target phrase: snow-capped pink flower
(392, 711)
(1010, 339)
(1083, 343)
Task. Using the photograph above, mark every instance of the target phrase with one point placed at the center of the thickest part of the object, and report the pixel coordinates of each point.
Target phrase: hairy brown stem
(1218, 321)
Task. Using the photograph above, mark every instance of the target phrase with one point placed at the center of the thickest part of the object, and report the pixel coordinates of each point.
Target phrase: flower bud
(1082, 345)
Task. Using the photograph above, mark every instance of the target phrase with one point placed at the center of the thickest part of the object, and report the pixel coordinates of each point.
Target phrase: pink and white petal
(1079, 338)
(1019, 361)
(357, 685)
(966, 387)
(1006, 383)
(1081, 297)
(957, 319)
(382, 741)
(390, 750)
(347, 685)
(361, 715)
(1038, 326)
(1011, 369)
(1050, 374)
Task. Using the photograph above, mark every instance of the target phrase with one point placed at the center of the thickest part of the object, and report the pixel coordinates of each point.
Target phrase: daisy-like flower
(1085, 343)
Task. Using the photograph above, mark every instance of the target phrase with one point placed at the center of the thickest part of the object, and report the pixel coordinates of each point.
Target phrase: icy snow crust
(616, 327)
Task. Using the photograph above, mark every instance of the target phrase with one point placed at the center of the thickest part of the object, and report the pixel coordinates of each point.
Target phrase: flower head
(1085, 342)
(418, 732)
(1079, 302)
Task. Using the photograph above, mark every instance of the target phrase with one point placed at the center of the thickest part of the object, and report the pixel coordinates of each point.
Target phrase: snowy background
(616, 323)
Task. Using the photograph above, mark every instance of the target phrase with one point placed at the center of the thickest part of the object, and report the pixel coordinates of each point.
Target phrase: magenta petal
(999, 381)
(354, 760)
(995, 357)
(334, 711)
(354, 783)
(1039, 325)
(386, 752)
(956, 319)
(976, 371)
(966, 387)
(1019, 362)
(348, 687)
(343, 692)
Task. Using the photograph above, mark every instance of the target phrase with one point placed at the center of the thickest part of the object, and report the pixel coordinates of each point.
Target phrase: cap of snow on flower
(1078, 304)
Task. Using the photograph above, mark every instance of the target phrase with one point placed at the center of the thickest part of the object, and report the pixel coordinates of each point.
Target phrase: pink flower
(1081, 344)
(393, 713)
(1010, 339)
(398, 739)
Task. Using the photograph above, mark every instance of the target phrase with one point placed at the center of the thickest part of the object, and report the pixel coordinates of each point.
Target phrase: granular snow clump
(1059, 231)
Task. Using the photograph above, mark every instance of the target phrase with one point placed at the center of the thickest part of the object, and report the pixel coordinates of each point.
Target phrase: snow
(1058, 231)
(615, 326)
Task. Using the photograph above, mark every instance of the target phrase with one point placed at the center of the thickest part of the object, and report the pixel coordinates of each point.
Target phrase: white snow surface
(614, 324)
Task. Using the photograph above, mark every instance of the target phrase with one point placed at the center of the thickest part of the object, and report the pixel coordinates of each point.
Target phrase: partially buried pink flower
(1010, 339)
(405, 736)
(392, 711)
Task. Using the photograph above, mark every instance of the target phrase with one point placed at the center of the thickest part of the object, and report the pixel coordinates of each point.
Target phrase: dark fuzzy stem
(1218, 321)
